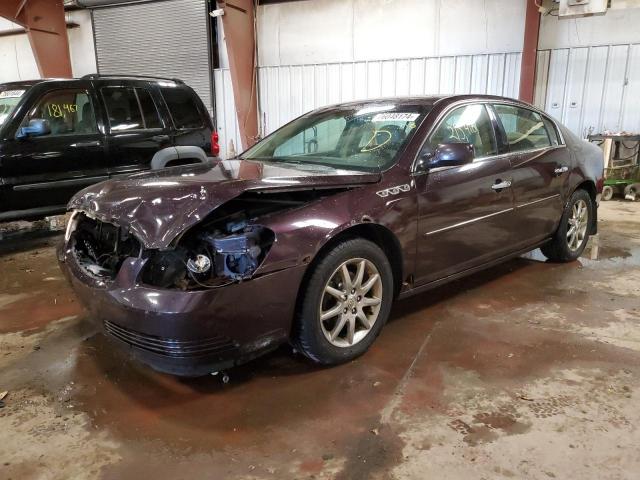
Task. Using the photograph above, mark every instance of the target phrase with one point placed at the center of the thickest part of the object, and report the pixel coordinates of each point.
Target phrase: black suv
(58, 136)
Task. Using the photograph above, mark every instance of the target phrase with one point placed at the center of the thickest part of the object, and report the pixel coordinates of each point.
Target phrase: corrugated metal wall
(226, 118)
(591, 89)
(291, 90)
(286, 92)
(166, 38)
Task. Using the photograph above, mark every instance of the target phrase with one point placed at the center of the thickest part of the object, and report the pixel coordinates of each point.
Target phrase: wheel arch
(178, 155)
(377, 234)
(590, 187)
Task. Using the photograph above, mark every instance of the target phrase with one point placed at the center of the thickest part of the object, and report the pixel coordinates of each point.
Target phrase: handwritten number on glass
(60, 110)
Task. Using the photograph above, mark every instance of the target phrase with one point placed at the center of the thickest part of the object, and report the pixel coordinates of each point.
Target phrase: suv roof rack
(93, 76)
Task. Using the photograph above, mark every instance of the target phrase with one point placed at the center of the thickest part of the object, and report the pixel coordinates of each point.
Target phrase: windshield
(365, 138)
(9, 98)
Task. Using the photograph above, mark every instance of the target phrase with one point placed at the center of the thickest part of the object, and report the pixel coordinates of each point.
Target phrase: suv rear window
(183, 107)
(130, 109)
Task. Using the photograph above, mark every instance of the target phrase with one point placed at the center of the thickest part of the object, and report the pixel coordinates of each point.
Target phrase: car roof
(31, 83)
(420, 100)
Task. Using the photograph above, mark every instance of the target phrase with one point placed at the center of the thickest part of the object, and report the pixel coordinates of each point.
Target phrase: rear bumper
(188, 333)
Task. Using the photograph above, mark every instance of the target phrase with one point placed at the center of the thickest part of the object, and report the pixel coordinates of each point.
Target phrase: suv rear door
(540, 169)
(43, 172)
(135, 129)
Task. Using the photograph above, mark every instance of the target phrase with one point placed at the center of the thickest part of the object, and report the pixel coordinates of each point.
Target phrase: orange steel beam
(239, 32)
(529, 52)
(47, 29)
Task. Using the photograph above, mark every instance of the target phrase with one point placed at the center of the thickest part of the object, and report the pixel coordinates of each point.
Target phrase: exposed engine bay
(226, 247)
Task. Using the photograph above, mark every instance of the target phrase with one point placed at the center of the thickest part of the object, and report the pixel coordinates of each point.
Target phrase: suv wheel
(345, 304)
(572, 235)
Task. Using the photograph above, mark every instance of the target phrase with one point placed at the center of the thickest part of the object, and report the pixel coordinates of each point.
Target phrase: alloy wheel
(350, 303)
(578, 224)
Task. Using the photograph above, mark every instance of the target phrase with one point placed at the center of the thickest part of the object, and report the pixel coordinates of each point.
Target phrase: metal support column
(47, 30)
(529, 52)
(239, 31)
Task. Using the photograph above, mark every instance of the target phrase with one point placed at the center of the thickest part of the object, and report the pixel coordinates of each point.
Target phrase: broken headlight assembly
(100, 248)
(209, 259)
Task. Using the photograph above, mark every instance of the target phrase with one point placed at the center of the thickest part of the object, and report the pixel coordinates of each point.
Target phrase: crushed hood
(157, 206)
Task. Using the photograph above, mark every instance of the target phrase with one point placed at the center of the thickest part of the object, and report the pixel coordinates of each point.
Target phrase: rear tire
(572, 235)
(345, 303)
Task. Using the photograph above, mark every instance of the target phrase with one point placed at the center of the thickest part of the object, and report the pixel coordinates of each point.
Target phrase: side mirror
(446, 155)
(36, 128)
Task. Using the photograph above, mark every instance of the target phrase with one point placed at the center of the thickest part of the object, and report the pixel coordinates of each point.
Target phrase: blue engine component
(236, 256)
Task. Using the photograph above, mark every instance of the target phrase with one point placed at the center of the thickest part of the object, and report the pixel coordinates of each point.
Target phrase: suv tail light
(215, 146)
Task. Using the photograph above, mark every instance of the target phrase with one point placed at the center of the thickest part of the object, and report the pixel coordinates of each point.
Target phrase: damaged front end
(99, 248)
(209, 257)
(226, 247)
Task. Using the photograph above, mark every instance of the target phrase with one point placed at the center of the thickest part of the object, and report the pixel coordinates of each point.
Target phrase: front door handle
(160, 138)
(501, 185)
(93, 143)
(561, 170)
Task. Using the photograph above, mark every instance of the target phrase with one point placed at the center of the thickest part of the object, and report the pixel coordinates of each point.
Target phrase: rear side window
(183, 108)
(130, 108)
(67, 111)
(524, 128)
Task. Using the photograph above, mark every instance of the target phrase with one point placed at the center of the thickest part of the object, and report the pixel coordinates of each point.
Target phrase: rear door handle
(501, 185)
(561, 170)
(93, 143)
(160, 138)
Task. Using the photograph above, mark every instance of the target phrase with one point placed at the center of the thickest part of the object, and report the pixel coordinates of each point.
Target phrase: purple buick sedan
(310, 235)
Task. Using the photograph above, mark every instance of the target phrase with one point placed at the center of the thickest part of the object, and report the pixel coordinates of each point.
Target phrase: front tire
(573, 233)
(345, 303)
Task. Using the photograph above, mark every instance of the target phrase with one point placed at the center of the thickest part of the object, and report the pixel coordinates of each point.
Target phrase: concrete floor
(528, 370)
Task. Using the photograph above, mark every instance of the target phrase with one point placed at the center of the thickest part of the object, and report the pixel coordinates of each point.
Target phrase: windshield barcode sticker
(395, 117)
(11, 93)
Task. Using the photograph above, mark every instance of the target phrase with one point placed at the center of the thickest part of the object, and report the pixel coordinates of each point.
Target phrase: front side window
(130, 108)
(9, 98)
(67, 111)
(368, 138)
(183, 108)
(468, 124)
(524, 128)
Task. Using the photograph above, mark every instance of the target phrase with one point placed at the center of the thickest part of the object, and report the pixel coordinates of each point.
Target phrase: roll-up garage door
(165, 38)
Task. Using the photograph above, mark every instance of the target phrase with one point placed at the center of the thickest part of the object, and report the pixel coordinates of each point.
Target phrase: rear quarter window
(552, 131)
(183, 108)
